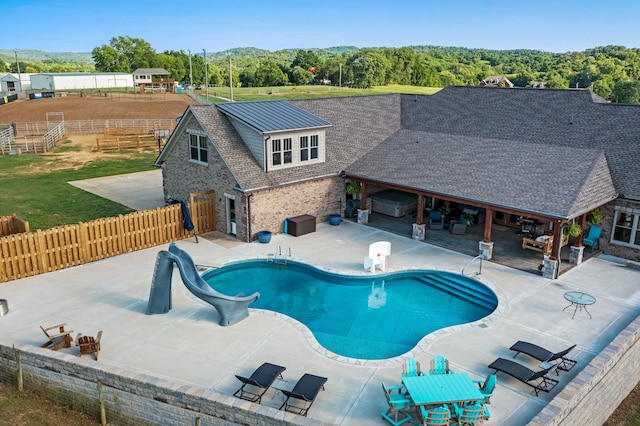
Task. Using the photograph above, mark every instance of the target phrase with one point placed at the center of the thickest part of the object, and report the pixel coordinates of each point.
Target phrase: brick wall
(132, 398)
(608, 211)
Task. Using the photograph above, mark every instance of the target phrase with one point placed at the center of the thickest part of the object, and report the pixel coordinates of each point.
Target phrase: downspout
(249, 217)
(266, 157)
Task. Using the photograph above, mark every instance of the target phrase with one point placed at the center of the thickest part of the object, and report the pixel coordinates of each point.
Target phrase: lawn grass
(36, 188)
(219, 94)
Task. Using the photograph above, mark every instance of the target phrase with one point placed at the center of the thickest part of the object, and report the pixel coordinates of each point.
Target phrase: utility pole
(18, 65)
(206, 75)
(340, 78)
(230, 78)
(190, 73)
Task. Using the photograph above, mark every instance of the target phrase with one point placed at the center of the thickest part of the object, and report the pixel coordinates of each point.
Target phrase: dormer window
(281, 151)
(308, 151)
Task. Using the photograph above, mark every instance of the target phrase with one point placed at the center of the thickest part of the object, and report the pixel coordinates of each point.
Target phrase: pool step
(475, 293)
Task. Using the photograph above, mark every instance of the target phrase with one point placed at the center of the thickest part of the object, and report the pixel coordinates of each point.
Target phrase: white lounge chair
(377, 258)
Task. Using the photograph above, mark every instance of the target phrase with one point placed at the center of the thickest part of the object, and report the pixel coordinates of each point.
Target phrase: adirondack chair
(439, 365)
(411, 367)
(59, 340)
(89, 344)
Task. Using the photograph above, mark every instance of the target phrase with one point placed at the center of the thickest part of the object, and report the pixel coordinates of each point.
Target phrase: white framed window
(286, 150)
(626, 228)
(295, 149)
(198, 151)
(276, 152)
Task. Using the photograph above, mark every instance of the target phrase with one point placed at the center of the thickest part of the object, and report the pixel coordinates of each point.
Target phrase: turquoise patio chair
(593, 238)
(487, 386)
(435, 220)
(439, 365)
(471, 413)
(399, 404)
(437, 416)
(411, 368)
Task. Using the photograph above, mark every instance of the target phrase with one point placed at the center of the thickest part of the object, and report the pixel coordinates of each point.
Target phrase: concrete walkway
(188, 346)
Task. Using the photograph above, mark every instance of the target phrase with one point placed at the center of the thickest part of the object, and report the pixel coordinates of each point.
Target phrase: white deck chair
(378, 253)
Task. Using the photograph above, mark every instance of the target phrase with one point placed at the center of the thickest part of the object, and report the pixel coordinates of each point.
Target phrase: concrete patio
(187, 346)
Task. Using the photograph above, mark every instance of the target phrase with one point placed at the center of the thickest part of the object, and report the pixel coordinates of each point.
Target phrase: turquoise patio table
(441, 389)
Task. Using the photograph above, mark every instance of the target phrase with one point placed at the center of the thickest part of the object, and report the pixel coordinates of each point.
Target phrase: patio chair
(439, 365)
(398, 404)
(437, 416)
(261, 379)
(538, 380)
(435, 220)
(471, 413)
(593, 238)
(545, 355)
(59, 340)
(487, 386)
(411, 368)
(305, 390)
(377, 258)
(459, 227)
(89, 344)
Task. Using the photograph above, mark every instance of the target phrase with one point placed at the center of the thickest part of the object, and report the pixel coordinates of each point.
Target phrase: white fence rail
(7, 145)
(54, 135)
(95, 126)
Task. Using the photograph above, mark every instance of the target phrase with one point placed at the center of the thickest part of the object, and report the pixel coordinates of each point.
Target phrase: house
(546, 155)
(80, 81)
(15, 82)
(154, 78)
(496, 81)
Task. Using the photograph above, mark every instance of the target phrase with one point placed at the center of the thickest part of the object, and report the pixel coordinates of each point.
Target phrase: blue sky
(548, 25)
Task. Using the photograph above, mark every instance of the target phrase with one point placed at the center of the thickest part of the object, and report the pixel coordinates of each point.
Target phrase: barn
(81, 81)
(15, 82)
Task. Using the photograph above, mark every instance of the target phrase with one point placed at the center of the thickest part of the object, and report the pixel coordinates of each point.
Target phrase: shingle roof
(152, 71)
(552, 152)
(272, 116)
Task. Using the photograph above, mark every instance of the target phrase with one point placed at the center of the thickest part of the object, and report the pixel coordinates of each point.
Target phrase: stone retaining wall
(132, 397)
(597, 390)
(590, 398)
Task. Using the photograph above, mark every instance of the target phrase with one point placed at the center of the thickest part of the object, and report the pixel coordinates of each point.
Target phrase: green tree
(369, 68)
(269, 74)
(300, 76)
(124, 54)
(305, 59)
(627, 92)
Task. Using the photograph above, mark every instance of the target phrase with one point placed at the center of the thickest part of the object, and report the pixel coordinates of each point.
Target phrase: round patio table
(580, 300)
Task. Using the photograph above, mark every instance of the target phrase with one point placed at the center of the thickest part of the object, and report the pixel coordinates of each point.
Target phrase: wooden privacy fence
(33, 253)
(12, 225)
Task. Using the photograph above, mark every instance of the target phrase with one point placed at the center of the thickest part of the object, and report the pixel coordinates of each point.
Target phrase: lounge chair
(487, 386)
(261, 379)
(538, 380)
(411, 368)
(440, 365)
(89, 344)
(544, 355)
(438, 416)
(59, 340)
(306, 391)
(399, 403)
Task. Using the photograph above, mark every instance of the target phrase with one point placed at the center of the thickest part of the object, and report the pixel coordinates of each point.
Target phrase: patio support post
(420, 212)
(363, 212)
(488, 221)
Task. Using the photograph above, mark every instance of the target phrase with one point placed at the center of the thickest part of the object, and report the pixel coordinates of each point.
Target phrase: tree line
(612, 72)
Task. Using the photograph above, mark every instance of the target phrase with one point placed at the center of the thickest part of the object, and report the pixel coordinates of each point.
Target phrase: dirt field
(116, 106)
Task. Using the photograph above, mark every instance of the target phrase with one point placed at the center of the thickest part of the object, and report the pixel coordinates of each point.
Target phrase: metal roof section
(272, 116)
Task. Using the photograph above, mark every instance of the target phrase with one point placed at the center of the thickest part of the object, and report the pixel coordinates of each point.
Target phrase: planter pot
(264, 236)
(4, 307)
(335, 219)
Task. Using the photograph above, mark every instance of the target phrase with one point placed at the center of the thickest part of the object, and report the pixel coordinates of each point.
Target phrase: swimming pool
(365, 317)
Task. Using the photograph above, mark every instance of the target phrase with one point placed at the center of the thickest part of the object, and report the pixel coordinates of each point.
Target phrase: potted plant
(594, 216)
(264, 236)
(353, 189)
(573, 230)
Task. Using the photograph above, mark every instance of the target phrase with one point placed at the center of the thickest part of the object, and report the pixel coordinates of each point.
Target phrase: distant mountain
(29, 55)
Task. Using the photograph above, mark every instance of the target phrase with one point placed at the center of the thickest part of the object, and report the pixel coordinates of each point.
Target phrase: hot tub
(394, 203)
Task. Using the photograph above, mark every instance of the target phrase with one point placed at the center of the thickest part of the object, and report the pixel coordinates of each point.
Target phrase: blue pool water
(366, 317)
